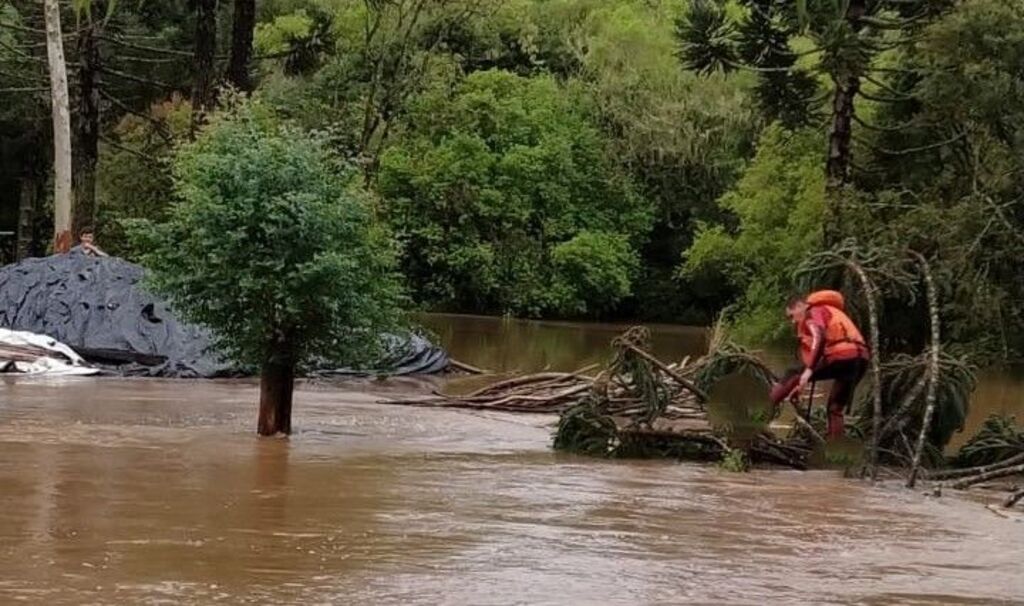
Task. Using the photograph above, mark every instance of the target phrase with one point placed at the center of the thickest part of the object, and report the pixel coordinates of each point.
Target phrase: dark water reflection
(156, 492)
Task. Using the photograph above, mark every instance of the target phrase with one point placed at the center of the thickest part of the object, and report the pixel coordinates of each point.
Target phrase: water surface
(156, 492)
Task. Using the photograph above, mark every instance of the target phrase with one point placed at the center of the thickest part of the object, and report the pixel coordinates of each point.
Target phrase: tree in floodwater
(271, 247)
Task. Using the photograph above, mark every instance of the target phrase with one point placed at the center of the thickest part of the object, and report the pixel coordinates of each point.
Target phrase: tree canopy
(651, 159)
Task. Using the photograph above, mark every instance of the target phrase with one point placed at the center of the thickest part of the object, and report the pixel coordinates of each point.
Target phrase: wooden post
(62, 201)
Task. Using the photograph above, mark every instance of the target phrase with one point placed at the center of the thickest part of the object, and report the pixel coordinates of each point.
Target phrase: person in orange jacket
(831, 348)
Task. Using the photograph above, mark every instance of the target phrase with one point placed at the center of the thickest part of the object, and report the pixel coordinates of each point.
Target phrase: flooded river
(156, 492)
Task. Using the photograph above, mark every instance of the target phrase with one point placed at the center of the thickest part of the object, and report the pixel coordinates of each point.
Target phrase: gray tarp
(97, 306)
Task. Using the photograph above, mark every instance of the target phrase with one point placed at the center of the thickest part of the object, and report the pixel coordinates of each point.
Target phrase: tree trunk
(62, 199)
(26, 217)
(871, 295)
(205, 49)
(87, 126)
(933, 370)
(241, 45)
(277, 383)
(837, 167)
(840, 133)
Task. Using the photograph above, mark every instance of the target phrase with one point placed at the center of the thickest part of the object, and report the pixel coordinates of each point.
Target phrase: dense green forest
(665, 160)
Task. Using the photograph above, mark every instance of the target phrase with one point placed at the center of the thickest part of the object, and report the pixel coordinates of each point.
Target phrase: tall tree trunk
(26, 217)
(933, 366)
(840, 133)
(205, 49)
(837, 167)
(277, 384)
(241, 44)
(87, 127)
(62, 198)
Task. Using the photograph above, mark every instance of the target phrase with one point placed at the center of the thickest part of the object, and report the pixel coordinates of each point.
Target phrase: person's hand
(805, 378)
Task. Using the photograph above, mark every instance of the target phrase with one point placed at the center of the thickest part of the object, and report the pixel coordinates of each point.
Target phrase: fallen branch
(806, 426)
(473, 370)
(989, 475)
(952, 474)
(701, 395)
(1014, 498)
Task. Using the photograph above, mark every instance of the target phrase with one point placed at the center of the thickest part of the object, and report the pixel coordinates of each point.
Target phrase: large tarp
(97, 306)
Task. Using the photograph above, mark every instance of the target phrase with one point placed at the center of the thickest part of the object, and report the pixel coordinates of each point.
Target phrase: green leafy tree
(273, 250)
(593, 272)
(497, 173)
(946, 171)
(683, 138)
(779, 203)
(840, 43)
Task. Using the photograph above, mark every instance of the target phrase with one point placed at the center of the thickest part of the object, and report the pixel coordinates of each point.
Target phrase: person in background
(831, 348)
(87, 244)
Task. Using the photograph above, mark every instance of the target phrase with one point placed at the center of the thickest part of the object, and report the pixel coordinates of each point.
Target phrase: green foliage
(495, 176)
(718, 37)
(725, 357)
(735, 461)
(778, 203)
(998, 439)
(957, 197)
(298, 39)
(683, 137)
(134, 175)
(586, 429)
(592, 272)
(270, 247)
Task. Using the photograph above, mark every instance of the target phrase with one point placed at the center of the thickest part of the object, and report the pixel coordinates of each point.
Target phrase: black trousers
(844, 374)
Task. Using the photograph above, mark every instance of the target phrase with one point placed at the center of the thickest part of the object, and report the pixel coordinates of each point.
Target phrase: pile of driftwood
(638, 405)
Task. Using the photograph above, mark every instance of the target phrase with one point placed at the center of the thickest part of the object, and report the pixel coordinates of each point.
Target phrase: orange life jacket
(843, 340)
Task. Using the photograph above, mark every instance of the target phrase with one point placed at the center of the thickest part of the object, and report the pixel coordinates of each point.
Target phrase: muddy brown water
(156, 492)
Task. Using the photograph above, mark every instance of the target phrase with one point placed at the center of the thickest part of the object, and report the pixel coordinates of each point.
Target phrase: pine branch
(754, 68)
(118, 40)
(21, 28)
(34, 78)
(160, 127)
(911, 150)
(878, 99)
(25, 89)
(136, 59)
(887, 88)
(146, 157)
(138, 79)
(884, 129)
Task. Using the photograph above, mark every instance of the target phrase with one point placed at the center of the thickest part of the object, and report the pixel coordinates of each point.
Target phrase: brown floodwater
(120, 491)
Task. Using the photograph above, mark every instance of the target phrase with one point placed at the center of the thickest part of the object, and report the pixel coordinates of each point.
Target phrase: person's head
(796, 309)
(86, 235)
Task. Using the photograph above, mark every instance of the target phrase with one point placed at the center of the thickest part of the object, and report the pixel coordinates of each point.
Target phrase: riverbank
(140, 491)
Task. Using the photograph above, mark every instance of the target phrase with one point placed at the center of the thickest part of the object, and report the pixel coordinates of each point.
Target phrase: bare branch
(120, 41)
(146, 157)
(138, 79)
